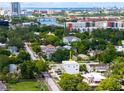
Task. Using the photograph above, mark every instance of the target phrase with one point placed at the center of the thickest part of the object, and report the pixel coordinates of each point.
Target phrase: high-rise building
(15, 9)
(1, 11)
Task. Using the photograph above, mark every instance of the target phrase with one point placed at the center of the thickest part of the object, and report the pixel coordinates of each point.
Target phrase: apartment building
(89, 24)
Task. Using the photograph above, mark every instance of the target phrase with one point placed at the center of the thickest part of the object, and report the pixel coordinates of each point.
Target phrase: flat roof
(69, 62)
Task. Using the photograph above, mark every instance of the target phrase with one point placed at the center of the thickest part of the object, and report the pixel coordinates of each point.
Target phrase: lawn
(27, 86)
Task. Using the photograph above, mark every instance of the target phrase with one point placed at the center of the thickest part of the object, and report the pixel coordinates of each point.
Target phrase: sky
(64, 4)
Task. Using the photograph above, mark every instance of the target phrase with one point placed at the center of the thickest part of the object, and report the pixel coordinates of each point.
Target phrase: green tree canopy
(27, 70)
(111, 84)
(4, 52)
(4, 62)
(23, 56)
(117, 67)
(41, 66)
(60, 55)
(108, 54)
(83, 87)
(69, 82)
(83, 68)
(30, 69)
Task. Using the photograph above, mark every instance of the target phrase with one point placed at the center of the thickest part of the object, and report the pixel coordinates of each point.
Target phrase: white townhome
(70, 67)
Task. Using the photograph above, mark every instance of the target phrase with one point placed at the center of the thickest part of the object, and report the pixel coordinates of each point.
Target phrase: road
(32, 54)
(51, 82)
(48, 79)
(2, 86)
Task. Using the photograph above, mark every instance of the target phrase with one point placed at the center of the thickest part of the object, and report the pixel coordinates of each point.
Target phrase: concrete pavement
(2, 86)
(48, 79)
(51, 82)
(32, 54)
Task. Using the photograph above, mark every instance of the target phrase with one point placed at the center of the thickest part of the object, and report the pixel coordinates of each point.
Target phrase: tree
(59, 32)
(69, 82)
(51, 39)
(81, 47)
(3, 39)
(111, 84)
(27, 70)
(3, 77)
(83, 87)
(60, 55)
(83, 68)
(108, 54)
(23, 56)
(117, 67)
(14, 60)
(3, 36)
(36, 48)
(16, 41)
(40, 66)
(5, 52)
(4, 61)
(12, 77)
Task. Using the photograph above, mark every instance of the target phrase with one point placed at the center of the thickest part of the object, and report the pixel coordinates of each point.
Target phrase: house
(67, 47)
(13, 50)
(12, 68)
(83, 57)
(27, 23)
(48, 50)
(93, 79)
(70, 39)
(70, 67)
(96, 66)
(93, 53)
(2, 45)
(120, 48)
(36, 33)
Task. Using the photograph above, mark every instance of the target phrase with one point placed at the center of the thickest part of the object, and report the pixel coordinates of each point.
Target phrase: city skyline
(65, 5)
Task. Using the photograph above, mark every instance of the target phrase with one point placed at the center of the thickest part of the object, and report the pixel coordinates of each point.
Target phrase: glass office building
(15, 9)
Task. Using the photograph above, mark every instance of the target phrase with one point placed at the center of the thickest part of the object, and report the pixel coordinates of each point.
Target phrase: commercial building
(47, 21)
(27, 13)
(15, 9)
(48, 11)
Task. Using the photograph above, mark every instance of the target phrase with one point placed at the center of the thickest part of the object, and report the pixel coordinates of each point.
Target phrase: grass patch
(27, 86)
